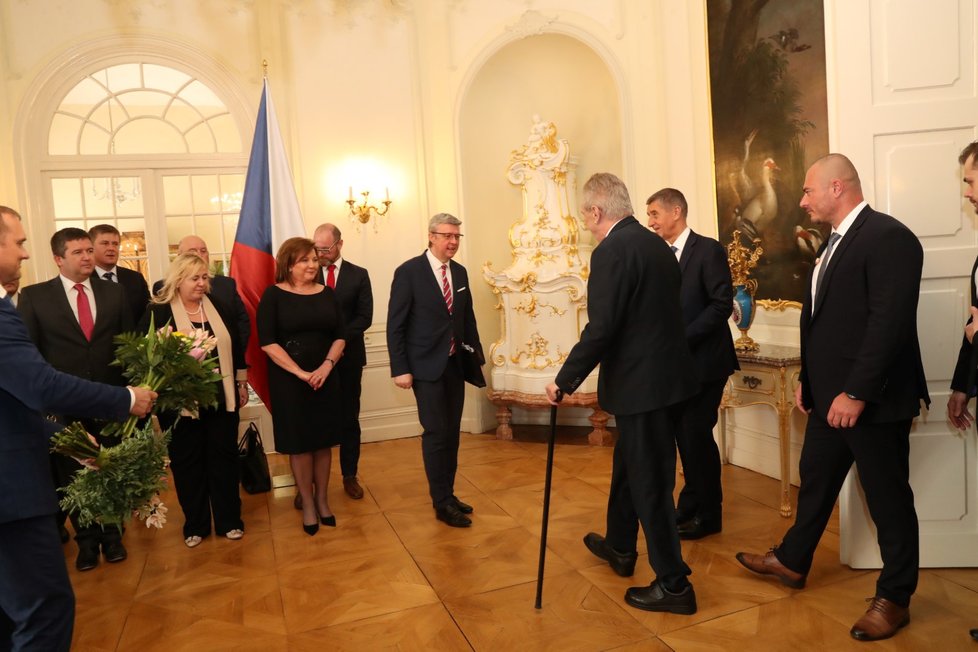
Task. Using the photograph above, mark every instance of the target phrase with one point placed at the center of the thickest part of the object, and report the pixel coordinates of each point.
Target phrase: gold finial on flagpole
(264, 68)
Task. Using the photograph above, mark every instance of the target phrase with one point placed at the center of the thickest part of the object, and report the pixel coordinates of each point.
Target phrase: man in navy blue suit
(36, 601)
(430, 327)
(706, 295)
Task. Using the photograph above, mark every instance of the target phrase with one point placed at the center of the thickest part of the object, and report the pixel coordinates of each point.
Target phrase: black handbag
(255, 476)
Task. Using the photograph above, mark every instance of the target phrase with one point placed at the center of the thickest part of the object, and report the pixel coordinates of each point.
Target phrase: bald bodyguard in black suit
(635, 331)
(861, 383)
(36, 601)
(707, 301)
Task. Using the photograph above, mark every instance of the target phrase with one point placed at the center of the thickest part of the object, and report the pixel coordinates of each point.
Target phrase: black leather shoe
(114, 551)
(682, 516)
(465, 508)
(310, 529)
(63, 533)
(655, 598)
(329, 521)
(87, 558)
(974, 633)
(700, 527)
(452, 516)
(623, 563)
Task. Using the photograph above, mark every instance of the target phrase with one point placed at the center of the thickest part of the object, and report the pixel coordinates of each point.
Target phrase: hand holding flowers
(122, 481)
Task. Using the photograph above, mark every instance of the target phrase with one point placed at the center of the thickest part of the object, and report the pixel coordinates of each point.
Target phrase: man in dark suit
(36, 601)
(635, 331)
(966, 369)
(106, 240)
(707, 299)
(430, 326)
(73, 319)
(861, 383)
(351, 284)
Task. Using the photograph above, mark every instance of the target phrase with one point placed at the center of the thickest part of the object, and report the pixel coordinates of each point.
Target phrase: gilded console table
(766, 377)
(504, 400)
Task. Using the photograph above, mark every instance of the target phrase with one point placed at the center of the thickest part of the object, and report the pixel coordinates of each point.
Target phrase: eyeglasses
(448, 236)
(326, 250)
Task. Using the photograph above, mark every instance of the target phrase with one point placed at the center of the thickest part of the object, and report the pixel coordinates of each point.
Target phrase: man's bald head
(193, 244)
(832, 189)
(838, 167)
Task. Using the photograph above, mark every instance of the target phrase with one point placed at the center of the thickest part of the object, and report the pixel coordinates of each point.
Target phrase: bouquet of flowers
(125, 480)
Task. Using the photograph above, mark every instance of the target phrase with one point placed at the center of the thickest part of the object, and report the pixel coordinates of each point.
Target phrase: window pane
(124, 76)
(67, 198)
(149, 136)
(145, 103)
(207, 197)
(176, 228)
(200, 140)
(226, 133)
(209, 228)
(63, 135)
(176, 194)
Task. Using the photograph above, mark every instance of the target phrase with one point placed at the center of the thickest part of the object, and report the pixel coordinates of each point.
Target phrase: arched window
(152, 150)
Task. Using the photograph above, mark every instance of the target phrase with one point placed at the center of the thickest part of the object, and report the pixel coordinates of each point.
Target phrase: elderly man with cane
(636, 333)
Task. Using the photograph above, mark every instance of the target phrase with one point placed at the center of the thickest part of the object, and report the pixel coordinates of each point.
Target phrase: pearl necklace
(200, 309)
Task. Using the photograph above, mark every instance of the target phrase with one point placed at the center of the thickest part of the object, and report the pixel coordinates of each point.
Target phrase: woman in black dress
(204, 448)
(300, 328)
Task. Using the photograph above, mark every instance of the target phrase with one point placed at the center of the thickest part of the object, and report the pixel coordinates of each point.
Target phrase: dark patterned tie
(109, 276)
(825, 260)
(446, 291)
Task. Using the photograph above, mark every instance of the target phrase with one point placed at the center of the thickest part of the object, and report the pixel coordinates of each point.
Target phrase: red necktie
(331, 277)
(446, 291)
(84, 312)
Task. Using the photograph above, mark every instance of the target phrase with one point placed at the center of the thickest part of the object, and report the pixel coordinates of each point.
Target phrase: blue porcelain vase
(743, 314)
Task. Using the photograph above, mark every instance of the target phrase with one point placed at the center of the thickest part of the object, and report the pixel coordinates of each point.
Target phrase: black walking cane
(546, 498)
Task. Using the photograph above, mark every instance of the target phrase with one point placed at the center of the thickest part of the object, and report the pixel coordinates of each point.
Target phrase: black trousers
(204, 459)
(440, 412)
(882, 456)
(37, 605)
(643, 476)
(702, 493)
(351, 381)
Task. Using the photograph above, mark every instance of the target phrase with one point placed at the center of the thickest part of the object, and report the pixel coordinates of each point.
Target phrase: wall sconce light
(361, 212)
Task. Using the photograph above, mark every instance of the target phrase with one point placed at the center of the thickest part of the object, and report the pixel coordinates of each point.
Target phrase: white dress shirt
(680, 242)
(841, 230)
(436, 270)
(72, 295)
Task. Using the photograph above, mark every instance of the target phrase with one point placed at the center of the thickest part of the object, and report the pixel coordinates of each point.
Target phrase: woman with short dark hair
(300, 328)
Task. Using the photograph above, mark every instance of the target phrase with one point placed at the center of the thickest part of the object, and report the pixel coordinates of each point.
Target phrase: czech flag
(269, 216)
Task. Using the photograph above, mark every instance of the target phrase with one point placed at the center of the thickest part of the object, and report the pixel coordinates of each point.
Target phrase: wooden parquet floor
(391, 577)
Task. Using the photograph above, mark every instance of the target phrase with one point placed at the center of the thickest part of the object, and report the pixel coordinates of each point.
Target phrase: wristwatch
(853, 397)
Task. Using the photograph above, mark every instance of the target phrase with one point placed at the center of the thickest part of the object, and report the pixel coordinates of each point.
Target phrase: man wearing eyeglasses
(430, 326)
(351, 283)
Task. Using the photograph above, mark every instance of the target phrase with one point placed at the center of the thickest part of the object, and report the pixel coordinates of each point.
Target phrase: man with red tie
(73, 319)
(351, 283)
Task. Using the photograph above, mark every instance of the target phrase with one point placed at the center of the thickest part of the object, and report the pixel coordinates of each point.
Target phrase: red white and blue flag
(269, 216)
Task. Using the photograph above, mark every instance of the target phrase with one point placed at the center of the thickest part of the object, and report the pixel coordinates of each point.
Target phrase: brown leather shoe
(881, 620)
(352, 487)
(770, 565)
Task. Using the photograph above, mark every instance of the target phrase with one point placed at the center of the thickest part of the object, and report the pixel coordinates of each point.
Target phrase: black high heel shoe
(310, 529)
(328, 520)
